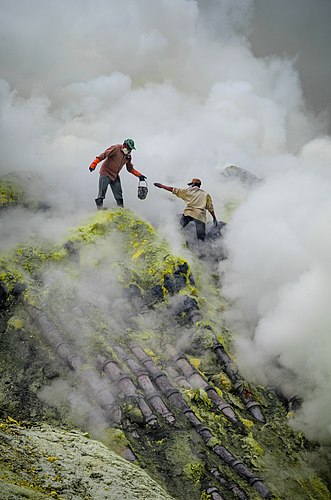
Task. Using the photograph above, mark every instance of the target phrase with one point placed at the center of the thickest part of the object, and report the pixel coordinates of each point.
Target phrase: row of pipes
(175, 397)
(188, 307)
(156, 388)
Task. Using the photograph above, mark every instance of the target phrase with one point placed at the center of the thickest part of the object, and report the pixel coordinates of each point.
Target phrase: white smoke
(180, 78)
(278, 276)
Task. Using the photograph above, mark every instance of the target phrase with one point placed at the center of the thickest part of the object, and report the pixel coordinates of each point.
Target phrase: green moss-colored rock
(11, 192)
(43, 462)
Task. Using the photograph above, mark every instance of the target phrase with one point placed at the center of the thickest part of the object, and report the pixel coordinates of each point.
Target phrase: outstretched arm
(162, 186)
(136, 173)
(133, 171)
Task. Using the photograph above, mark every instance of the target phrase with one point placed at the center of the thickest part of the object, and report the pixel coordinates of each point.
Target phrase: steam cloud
(179, 77)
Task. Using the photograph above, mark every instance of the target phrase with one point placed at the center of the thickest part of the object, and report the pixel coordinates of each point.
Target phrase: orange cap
(194, 181)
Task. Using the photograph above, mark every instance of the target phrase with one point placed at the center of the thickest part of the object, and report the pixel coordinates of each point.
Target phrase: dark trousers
(199, 226)
(115, 186)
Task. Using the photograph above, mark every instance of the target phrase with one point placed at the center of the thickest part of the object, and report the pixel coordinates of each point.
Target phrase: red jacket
(114, 160)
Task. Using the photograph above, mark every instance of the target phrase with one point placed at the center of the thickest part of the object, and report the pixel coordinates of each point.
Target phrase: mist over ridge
(195, 99)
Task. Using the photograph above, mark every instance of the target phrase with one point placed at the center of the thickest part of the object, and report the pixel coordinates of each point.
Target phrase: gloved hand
(157, 184)
(142, 177)
(215, 222)
(94, 164)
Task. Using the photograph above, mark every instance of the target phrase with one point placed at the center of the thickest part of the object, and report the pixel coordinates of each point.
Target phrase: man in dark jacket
(113, 160)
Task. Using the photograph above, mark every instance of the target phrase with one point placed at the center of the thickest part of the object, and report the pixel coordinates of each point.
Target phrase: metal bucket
(142, 190)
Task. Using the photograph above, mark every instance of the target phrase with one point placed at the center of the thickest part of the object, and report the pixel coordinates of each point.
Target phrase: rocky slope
(118, 378)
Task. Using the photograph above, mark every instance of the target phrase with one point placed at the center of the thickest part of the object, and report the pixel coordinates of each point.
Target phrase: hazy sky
(299, 29)
(189, 82)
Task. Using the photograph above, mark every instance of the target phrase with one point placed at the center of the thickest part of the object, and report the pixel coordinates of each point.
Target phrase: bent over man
(114, 159)
(197, 202)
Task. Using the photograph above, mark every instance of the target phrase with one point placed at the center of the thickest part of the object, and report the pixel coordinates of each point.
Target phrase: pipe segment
(89, 379)
(123, 382)
(198, 381)
(146, 385)
(227, 365)
(231, 486)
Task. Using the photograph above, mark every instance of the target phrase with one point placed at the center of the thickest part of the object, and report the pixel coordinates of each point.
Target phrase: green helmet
(129, 143)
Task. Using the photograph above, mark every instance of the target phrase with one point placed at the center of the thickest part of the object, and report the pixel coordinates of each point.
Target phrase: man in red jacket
(113, 160)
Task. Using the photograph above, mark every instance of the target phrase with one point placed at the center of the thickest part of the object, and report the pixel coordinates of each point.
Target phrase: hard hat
(194, 181)
(129, 143)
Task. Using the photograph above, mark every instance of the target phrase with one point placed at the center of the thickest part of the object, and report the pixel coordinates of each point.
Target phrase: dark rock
(176, 282)
(3, 294)
(153, 295)
(50, 372)
(71, 247)
(246, 177)
(294, 403)
(18, 289)
(186, 310)
(214, 232)
(182, 268)
(169, 284)
(134, 295)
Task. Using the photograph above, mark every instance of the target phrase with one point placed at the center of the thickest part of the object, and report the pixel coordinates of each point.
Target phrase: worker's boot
(99, 203)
